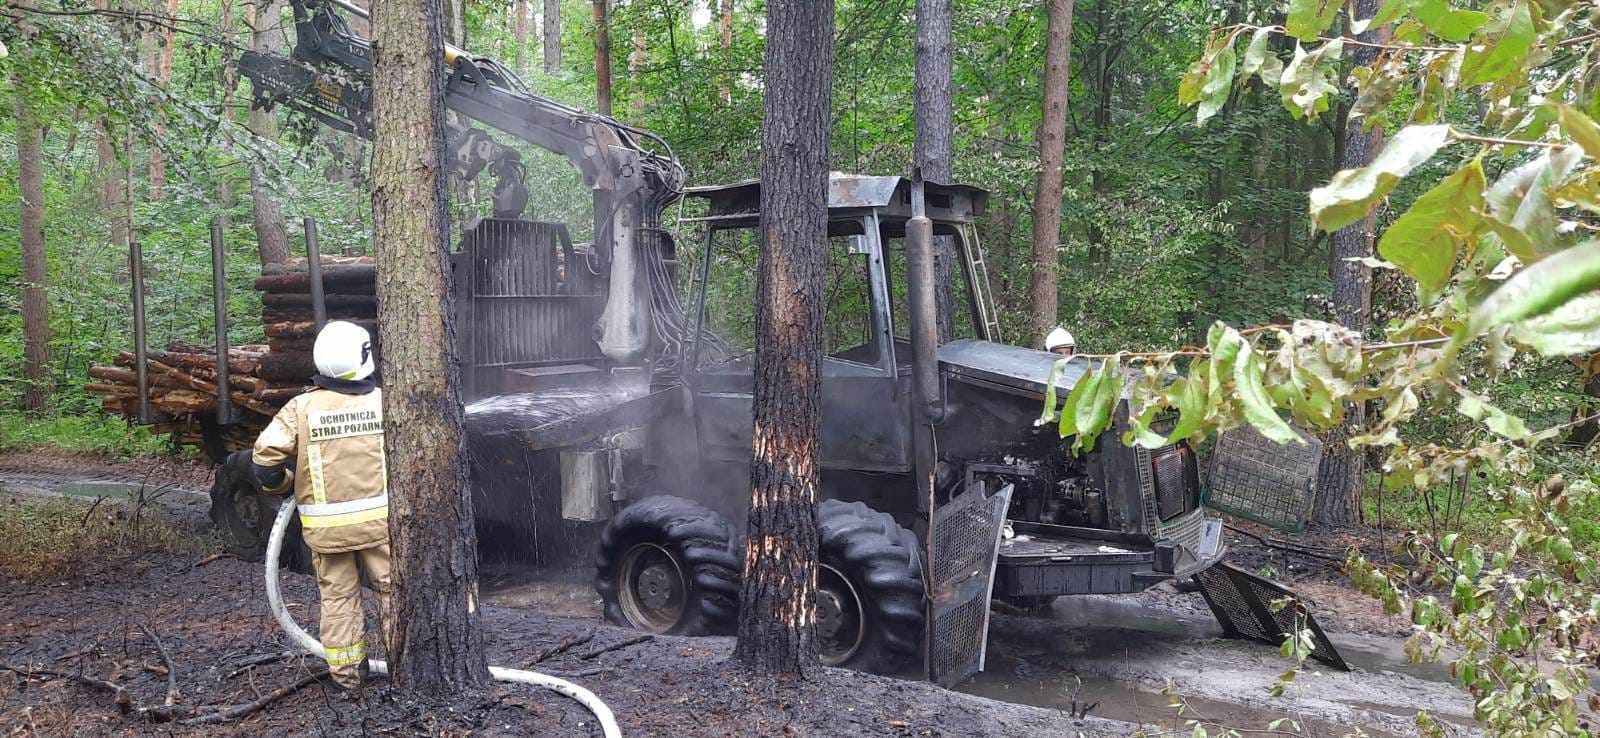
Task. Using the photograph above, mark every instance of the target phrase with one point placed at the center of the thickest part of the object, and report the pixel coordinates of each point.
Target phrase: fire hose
(608, 721)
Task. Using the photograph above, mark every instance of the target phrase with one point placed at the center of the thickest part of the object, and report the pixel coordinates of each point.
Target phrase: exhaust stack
(920, 278)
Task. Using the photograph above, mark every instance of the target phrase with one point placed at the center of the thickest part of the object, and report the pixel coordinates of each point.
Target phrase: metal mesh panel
(529, 307)
(965, 539)
(957, 634)
(1243, 605)
(965, 542)
(1256, 478)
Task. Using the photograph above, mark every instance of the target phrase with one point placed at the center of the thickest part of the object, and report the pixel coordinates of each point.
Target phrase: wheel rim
(841, 620)
(652, 587)
(247, 509)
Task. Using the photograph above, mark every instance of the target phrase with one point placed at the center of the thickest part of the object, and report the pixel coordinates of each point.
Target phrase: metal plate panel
(966, 540)
(1244, 605)
(1257, 478)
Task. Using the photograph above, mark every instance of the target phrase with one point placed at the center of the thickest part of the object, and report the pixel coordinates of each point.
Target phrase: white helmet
(343, 351)
(1059, 338)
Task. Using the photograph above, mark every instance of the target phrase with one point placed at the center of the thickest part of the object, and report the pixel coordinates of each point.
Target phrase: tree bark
(272, 235)
(777, 615)
(1052, 149)
(935, 134)
(435, 646)
(602, 58)
(161, 71)
(1342, 471)
(454, 22)
(552, 36)
(35, 302)
(113, 177)
(725, 43)
(230, 80)
(636, 62)
(519, 34)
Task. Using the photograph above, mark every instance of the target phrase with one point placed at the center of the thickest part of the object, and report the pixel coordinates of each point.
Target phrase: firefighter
(332, 437)
(1060, 342)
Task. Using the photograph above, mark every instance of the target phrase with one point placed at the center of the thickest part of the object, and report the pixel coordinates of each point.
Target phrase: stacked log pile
(182, 380)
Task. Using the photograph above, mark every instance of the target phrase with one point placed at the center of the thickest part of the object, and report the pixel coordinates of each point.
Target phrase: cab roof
(739, 204)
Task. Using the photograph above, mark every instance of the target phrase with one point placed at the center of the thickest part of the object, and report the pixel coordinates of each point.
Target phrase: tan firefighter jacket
(336, 441)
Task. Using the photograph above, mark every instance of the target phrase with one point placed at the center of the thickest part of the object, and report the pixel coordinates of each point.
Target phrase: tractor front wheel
(869, 590)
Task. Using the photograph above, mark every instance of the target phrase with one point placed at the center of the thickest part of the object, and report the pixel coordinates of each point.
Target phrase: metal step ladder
(978, 278)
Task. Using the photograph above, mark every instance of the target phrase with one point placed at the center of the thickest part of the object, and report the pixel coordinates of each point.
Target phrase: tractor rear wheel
(869, 590)
(667, 565)
(244, 517)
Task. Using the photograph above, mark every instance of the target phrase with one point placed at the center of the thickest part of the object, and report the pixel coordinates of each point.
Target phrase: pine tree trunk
(777, 614)
(454, 22)
(434, 644)
(725, 43)
(519, 34)
(113, 177)
(272, 235)
(1342, 472)
(935, 133)
(636, 62)
(230, 80)
(552, 36)
(35, 302)
(1052, 149)
(162, 73)
(602, 58)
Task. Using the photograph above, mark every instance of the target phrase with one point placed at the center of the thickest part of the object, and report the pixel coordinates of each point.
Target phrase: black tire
(244, 517)
(881, 563)
(667, 565)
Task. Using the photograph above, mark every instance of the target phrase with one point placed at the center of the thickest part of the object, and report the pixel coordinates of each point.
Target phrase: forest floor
(1121, 661)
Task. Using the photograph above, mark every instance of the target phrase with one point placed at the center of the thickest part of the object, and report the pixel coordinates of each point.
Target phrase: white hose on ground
(608, 721)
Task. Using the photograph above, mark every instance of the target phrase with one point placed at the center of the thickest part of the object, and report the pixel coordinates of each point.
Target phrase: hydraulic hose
(280, 526)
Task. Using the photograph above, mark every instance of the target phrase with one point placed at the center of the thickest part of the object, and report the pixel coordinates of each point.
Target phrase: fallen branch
(1284, 545)
(119, 694)
(250, 708)
(172, 667)
(211, 558)
(565, 645)
(240, 666)
(616, 646)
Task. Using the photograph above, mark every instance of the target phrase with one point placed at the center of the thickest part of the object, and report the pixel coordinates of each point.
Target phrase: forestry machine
(600, 410)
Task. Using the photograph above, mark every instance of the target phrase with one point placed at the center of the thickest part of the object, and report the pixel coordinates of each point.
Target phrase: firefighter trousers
(343, 629)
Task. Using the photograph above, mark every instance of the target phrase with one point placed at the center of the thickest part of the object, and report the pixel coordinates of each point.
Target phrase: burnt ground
(1121, 660)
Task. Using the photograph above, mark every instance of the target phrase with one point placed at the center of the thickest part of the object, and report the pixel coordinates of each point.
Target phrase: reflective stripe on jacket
(340, 486)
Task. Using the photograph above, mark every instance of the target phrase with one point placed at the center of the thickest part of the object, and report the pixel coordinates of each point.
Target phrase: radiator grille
(1177, 480)
(528, 303)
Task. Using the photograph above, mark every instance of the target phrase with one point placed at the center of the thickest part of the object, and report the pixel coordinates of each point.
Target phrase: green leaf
(1093, 413)
(1309, 18)
(1195, 77)
(1069, 411)
(1501, 422)
(1224, 343)
(1049, 412)
(1447, 22)
(1424, 241)
(1389, 12)
(1308, 83)
(1582, 129)
(1259, 59)
(1189, 396)
(1573, 328)
(1502, 46)
(1247, 381)
(1536, 290)
(1219, 78)
(1520, 200)
(1352, 193)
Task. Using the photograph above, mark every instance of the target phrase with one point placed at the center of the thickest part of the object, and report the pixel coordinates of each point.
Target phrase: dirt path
(1107, 657)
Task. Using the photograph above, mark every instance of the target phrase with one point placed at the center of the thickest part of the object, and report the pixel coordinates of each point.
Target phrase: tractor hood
(1009, 368)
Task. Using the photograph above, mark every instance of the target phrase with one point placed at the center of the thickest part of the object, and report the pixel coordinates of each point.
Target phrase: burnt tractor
(607, 415)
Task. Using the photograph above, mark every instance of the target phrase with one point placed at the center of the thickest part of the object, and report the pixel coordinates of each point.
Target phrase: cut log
(114, 374)
(348, 279)
(111, 390)
(287, 367)
(298, 264)
(281, 395)
(308, 329)
(330, 301)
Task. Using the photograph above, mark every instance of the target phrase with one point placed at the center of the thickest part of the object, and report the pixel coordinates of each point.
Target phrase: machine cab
(866, 366)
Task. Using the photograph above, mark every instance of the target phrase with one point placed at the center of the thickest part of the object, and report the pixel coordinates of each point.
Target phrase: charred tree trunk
(777, 613)
(602, 57)
(552, 36)
(935, 133)
(35, 302)
(725, 42)
(433, 640)
(1342, 472)
(1052, 149)
(272, 236)
(519, 34)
